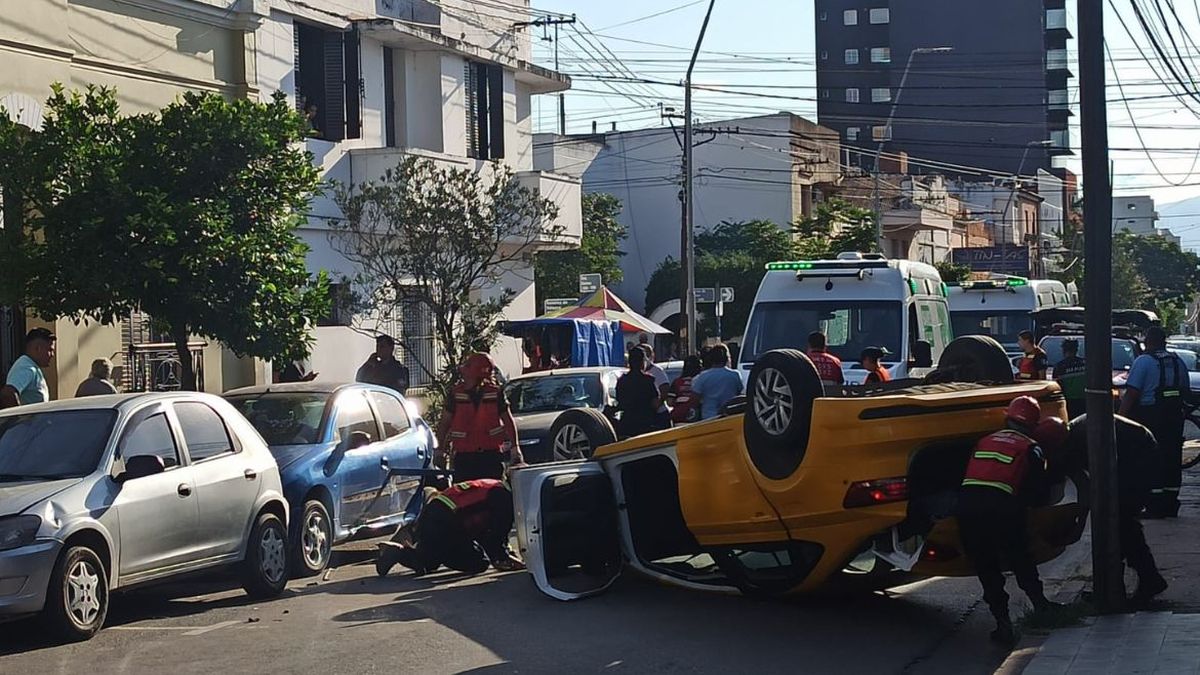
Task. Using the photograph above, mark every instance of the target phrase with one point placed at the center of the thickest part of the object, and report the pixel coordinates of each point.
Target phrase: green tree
(952, 273)
(834, 227)
(556, 273)
(1129, 288)
(438, 237)
(189, 214)
(732, 254)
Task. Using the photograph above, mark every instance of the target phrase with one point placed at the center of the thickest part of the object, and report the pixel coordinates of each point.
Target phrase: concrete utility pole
(687, 303)
(1107, 570)
(887, 132)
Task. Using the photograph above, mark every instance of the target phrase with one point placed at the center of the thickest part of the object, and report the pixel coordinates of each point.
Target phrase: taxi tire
(974, 359)
(777, 453)
(593, 423)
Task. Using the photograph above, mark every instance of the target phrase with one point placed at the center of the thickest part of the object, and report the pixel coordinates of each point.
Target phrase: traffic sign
(589, 283)
(726, 294)
(551, 304)
(706, 296)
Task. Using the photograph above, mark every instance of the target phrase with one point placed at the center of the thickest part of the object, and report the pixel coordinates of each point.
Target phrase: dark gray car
(105, 492)
(538, 400)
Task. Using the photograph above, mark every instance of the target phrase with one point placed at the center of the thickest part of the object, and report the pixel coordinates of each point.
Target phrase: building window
(851, 57)
(328, 85)
(851, 96)
(881, 133)
(852, 133)
(824, 93)
(881, 15)
(881, 94)
(412, 326)
(341, 306)
(881, 55)
(1056, 19)
(850, 17)
(485, 110)
(1058, 100)
(824, 16)
(1056, 59)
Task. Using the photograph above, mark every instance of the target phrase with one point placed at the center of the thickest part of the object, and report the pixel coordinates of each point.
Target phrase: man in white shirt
(25, 384)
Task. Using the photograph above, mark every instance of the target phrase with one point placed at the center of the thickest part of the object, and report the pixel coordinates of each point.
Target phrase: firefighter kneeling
(1005, 468)
(464, 527)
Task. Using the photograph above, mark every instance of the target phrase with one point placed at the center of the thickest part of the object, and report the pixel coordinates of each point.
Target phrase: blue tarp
(597, 344)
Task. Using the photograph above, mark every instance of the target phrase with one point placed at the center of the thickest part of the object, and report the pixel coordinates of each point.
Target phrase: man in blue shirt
(717, 385)
(1154, 397)
(25, 383)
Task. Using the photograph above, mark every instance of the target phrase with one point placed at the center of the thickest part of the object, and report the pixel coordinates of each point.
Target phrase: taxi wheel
(973, 358)
(782, 387)
(577, 433)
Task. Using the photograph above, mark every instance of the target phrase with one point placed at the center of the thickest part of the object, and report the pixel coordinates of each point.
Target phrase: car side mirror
(140, 466)
(922, 354)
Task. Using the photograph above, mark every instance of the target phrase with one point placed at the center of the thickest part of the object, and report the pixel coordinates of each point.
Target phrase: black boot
(1150, 584)
(387, 558)
(1004, 633)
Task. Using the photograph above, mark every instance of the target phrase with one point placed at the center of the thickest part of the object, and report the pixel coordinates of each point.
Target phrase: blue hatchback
(343, 451)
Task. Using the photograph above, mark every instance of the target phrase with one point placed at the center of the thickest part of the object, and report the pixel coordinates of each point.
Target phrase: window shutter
(334, 114)
(495, 87)
(353, 86)
(480, 83)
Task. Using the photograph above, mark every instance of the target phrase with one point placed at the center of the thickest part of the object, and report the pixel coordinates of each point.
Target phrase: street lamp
(888, 126)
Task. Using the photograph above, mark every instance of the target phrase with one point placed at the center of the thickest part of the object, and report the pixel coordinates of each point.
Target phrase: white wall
(453, 106)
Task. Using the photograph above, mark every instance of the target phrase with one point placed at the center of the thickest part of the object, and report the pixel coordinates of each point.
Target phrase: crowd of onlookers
(25, 383)
(648, 400)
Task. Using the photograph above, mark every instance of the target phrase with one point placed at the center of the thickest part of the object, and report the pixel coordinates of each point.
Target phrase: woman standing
(637, 398)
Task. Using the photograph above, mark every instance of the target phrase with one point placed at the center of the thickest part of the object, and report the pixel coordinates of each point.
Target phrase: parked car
(1124, 351)
(102, 493)
(337, 492)
(801, 490)
(558, 412)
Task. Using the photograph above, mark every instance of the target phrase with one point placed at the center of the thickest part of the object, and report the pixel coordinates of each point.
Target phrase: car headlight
(17, 531)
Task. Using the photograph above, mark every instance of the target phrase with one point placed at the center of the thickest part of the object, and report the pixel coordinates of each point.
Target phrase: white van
(1001, 307)
(858, 301)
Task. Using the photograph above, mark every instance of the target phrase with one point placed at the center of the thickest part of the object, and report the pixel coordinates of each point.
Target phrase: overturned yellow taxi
(792, 490)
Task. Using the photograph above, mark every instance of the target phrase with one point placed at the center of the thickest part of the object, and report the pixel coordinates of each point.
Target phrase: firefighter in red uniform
(477, 426)
(829, 366)
(876, 373)
(464, 527)
(1004, 470)
(1033, 364)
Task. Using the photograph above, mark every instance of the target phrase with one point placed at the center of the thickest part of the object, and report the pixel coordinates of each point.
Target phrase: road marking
(209, 629)
(189, 630)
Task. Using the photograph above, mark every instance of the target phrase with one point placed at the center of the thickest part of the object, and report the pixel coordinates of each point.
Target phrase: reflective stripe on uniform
(447, 501)
(998, 456)
(458, 434)
(496, 432)
(989, 483)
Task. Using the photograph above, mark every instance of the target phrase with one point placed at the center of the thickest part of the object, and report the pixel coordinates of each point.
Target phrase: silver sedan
(107, 492)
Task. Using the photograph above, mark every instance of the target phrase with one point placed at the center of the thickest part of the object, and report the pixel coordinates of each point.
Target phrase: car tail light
(873, 492)
(937, 554)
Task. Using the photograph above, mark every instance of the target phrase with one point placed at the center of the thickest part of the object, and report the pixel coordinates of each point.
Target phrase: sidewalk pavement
(1164, 638)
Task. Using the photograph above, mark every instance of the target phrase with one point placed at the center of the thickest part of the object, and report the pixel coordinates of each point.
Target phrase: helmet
(1051, 433)
(1025, 411)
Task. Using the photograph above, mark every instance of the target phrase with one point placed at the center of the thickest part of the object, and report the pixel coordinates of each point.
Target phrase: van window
(849, 326)
(932, 326)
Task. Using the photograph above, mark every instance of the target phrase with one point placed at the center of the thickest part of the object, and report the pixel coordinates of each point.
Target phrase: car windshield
(849, 326)
(1003, 326)
(292, 418)
(1188, 357)
(554, 392)
(1123, 351)
(53, 445)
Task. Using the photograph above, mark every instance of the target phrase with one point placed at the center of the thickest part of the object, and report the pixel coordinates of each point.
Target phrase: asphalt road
(354, 622)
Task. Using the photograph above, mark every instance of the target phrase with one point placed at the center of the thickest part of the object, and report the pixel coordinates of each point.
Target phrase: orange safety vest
(1001, 461)
(476, 427)
(881, 373)
(829, 367)
(1027, 368)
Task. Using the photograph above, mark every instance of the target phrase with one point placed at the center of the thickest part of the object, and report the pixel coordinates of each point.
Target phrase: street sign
(589, 283)
(726, 294)
(551, 304)
(706, 296)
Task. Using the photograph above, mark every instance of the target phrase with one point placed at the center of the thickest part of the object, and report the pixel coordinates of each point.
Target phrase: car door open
(567, 528)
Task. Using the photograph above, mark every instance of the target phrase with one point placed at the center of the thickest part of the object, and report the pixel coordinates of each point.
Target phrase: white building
(1136, 214)
(391, 78)
(746, 169)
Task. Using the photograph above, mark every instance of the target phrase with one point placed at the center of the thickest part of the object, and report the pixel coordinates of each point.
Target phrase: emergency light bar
(805, 265)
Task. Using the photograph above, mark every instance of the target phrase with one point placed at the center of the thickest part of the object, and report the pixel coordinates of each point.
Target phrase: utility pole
(562, 100)
(1107, 571)
(687, 257)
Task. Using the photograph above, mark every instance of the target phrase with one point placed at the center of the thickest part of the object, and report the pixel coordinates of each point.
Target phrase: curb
(1068, 592)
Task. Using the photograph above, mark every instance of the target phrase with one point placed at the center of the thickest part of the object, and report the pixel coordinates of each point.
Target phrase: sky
(767, 47)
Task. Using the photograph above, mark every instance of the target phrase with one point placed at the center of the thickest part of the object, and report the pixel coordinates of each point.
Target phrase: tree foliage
(440, 239)
(953, 273)
(556, 273)
(836, 226)
(189, 214)
(731, 254)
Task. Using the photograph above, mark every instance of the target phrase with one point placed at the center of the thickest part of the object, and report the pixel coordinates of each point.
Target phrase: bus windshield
(849, 327)
(1002, 326)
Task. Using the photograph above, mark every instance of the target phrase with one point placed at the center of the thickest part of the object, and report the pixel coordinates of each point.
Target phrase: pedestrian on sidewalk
(1138, 458)
(464, 527)
(1004, 470)
(477, 425)
(25, 383)
(382, 368)
(99, 382)
(1154, 397)
(1071, 376)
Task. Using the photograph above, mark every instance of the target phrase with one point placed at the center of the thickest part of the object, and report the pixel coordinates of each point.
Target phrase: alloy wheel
(314, 540)
(571, 443)
(773, 401)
